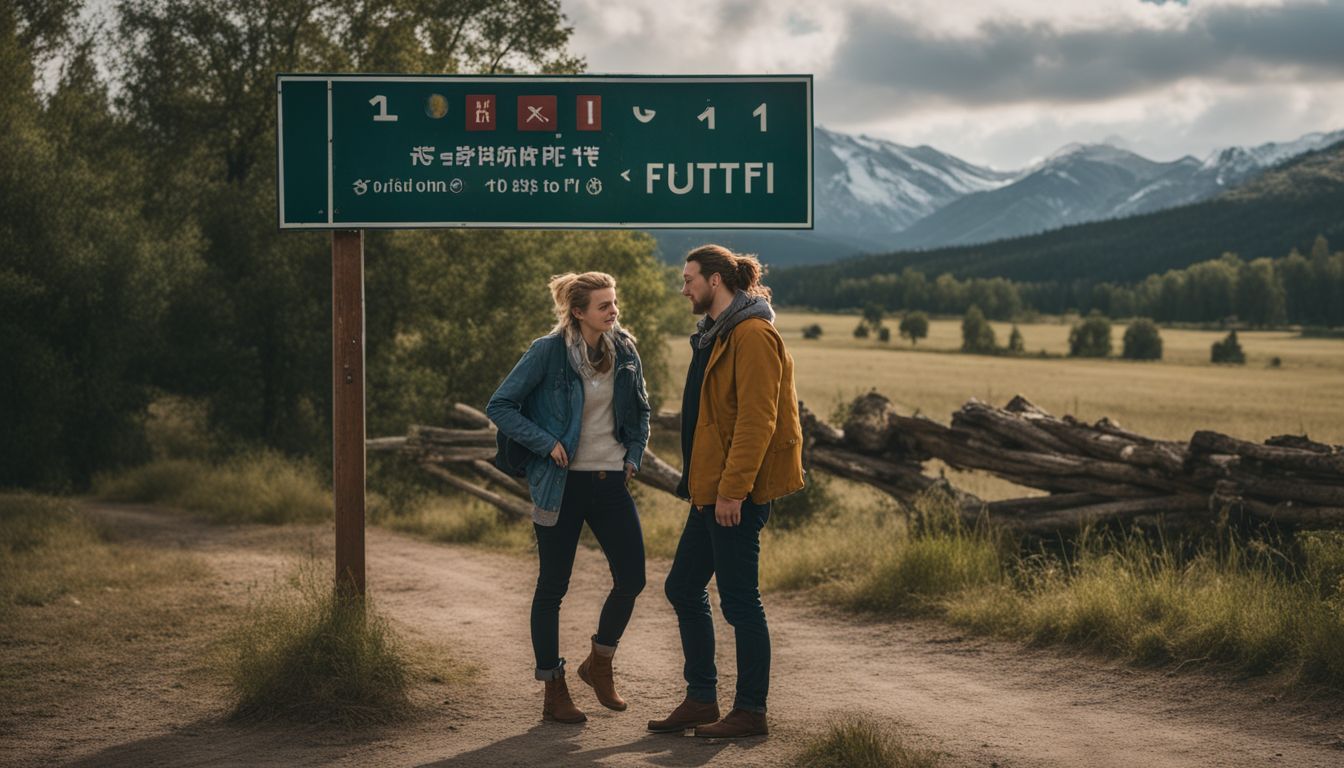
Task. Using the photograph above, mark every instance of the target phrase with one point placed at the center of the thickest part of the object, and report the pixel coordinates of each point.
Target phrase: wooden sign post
(347, 396)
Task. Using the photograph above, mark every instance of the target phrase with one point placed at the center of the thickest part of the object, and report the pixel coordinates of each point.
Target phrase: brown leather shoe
(735, 725)
(688, 714)
(558, 706)
(596, 671)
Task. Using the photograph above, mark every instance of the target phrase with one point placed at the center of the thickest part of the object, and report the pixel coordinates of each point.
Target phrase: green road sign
(402, 151)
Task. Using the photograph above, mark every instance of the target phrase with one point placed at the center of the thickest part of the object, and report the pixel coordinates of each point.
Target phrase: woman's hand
(559, 456)
(629, 471)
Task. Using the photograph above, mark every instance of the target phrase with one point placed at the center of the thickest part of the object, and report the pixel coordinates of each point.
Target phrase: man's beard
(699, 307)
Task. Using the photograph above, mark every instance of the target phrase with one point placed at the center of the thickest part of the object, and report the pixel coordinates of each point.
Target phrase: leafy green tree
(977, 335)
(914, 326)
(1016, 344)
(1143, 341)
(250, 332)
(884, 334)
(1260, 295)
(861, 330)
(1091, 337)
(812, 331)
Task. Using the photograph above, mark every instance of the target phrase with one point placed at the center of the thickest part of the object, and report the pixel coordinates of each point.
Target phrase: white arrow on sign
(643, 115)
(625, 174)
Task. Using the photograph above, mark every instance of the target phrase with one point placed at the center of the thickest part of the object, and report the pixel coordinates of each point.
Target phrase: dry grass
(862, 741)
(1168, 399)
(81, 609)
(258, 487)
(302, 654)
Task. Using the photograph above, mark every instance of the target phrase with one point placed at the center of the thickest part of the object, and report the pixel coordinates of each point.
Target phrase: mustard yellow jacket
(748, 439)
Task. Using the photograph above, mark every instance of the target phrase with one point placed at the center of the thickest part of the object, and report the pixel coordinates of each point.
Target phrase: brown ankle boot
(736, 724)
(688, 714)
(596, 671)
(558, 706)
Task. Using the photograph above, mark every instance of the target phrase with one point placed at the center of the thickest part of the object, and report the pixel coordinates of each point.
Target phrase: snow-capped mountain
(1081, 183)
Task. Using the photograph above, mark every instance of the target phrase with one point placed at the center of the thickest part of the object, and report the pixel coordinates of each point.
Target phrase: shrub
(914, 326)
(861, 330)
(1142, 341)
(884, 334)
(1016, 344)
(977, 335)
(1228, 351)
(1091, 337)
(812, 331)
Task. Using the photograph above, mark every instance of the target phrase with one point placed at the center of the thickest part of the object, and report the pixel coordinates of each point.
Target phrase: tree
(861, 330)
(83, 281)
(1142, 341)
(1016, 344)
(1228, 351)
(812, 331)
(914, 326)
(1091, 337)
(249, 332)
(977, 335)
(872, 315)
(884, 334)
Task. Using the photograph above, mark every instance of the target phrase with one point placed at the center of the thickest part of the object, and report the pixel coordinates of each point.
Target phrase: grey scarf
(743, 307)
(578, 350)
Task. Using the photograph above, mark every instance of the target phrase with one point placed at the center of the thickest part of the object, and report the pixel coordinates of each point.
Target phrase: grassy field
(1169, 399)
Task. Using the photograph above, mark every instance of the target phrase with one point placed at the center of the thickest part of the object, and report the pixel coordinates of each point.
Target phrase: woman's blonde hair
(572, 291)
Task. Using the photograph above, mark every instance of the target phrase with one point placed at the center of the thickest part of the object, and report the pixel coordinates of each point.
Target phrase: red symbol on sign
(536, 113)
(480, 113)
(589, 113)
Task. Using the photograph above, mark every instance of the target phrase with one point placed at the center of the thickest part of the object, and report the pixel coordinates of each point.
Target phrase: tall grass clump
(860, 741)
(1241, 605)
(939, 557)
(306, 655)
(259, 487)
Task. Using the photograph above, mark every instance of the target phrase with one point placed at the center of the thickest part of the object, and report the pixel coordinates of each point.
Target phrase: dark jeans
(602, 500)
(732, 556)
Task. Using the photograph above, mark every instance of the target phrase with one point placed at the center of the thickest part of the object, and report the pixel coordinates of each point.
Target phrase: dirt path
(980, 702)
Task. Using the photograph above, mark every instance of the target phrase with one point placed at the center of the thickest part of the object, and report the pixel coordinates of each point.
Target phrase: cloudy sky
(1007, 82)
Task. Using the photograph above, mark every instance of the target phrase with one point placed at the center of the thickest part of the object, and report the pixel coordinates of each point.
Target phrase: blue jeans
(732, 556)
(602, 500)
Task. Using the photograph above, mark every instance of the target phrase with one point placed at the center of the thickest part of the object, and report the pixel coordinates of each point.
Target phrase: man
(741, 448)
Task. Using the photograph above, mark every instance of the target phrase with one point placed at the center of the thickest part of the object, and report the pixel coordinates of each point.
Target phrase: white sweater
(598, 448)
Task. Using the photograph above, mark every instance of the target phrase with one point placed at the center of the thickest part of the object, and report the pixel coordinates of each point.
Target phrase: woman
(576, 399)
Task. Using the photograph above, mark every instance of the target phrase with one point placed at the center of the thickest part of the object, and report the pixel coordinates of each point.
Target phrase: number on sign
(707, 116)
(760, 112)
(380, 101)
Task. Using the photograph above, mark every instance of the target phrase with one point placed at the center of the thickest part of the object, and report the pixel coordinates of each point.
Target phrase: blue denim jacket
(540, 402)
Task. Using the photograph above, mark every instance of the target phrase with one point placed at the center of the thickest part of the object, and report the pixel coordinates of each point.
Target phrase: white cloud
(1006, 81)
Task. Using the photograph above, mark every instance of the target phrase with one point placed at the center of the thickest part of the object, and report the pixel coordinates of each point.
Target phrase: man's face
(696, 288)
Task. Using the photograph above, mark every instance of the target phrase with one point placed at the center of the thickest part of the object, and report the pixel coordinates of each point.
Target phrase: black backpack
(511, 456)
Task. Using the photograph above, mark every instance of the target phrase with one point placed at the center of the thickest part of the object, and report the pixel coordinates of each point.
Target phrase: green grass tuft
(860, 741)
(305, 655)
(261, 487)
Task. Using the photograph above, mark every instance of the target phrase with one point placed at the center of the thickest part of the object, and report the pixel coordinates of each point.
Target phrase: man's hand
(559, 456)
(728, 512)
(629, 471)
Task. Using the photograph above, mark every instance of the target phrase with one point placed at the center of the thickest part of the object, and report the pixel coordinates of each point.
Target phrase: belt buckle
(601, 474)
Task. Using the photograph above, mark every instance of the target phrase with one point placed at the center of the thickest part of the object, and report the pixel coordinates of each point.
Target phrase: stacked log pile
(1089, 473)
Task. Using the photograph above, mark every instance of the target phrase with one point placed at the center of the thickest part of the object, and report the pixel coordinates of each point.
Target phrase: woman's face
(601, 313)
